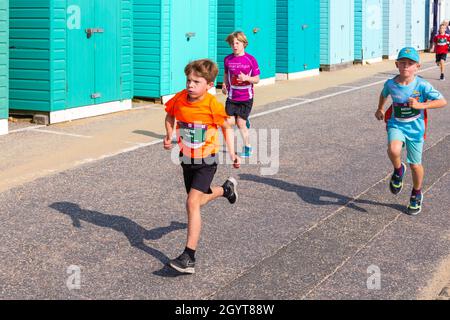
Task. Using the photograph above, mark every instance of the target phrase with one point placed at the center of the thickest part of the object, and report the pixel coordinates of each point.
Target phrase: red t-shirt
(441, 43)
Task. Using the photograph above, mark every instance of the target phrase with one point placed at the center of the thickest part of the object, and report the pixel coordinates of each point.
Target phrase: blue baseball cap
(409, 53)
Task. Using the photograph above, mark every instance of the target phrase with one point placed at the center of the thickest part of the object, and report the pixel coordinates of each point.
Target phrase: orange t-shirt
(197, 124)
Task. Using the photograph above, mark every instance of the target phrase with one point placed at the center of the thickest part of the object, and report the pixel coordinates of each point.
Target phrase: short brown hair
(239, 35)
(204, 68)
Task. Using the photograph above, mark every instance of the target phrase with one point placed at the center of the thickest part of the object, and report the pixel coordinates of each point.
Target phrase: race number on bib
(402, 111)
(192, 135)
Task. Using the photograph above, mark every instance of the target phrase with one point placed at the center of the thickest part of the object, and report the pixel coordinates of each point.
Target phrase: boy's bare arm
(431, 104)
(244, 77)
(169, 124)
(225, 83)
(379, 114)
(228, 134)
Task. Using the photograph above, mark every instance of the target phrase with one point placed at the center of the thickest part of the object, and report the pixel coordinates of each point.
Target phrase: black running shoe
(415, 204)
(229, 190)
(396, 183)
(442, 77)
(183, 264)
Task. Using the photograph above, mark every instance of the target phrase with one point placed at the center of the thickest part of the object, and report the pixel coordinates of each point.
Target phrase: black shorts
(199, 173)
(240, 109)
(441, 56)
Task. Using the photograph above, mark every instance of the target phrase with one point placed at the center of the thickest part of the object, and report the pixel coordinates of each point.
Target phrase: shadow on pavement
(149, 134)
(135, 233)
(318, 196)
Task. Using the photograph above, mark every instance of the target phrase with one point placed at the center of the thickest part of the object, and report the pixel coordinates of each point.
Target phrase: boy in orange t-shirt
(198, 115)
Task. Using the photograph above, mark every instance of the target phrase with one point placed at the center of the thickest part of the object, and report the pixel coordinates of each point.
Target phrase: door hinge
(96, 95)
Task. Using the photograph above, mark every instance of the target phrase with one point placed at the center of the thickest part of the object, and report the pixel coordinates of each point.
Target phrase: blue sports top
(410, 121)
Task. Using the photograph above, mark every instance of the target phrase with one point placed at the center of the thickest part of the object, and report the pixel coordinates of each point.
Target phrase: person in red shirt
(196, 116)
(440, 46)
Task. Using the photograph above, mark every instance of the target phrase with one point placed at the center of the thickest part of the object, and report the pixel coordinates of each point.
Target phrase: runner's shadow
(149, 134)
(318, 196)
(135, 233)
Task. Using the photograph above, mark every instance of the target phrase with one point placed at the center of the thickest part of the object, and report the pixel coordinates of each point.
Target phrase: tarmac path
(324, 226)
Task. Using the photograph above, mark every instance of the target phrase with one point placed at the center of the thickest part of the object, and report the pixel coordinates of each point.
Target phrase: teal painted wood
(30, 55)
(161, 46)
(148, 47)
(298, 36)
(428, 23)
(337, 32)
(418, 24)
(368, 29)
(282, 65)
(45, 62)
(227, 10)
(80, 52)
(394, 27)
(359, 29)
(257, 19)
(4, 62)
(408, 24)
(126, 50)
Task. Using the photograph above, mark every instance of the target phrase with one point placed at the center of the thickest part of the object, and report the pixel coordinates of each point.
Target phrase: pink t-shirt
(234, 65)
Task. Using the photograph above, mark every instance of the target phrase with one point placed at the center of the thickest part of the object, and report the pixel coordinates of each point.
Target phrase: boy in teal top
(406, 122)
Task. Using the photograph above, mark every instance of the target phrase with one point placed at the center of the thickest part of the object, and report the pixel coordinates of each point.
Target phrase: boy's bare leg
(194, 218)
(395, 152)
(196, 199)
(216, 193)
(242, 125)
(231, 121)
(417, 175)
(442, 64)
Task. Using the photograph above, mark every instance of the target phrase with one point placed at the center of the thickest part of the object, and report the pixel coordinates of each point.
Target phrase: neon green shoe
(396, 183)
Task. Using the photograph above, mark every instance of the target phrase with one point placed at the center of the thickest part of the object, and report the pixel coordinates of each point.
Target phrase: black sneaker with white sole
(183, 264)
(229, 190)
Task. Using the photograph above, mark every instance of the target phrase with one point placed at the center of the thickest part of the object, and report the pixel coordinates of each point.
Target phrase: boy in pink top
(241, 73)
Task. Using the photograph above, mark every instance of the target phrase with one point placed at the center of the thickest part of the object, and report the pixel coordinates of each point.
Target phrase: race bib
(238, 83)
(192, 135)
(402, 111)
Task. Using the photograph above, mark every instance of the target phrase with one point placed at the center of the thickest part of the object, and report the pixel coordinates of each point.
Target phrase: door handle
(90, 31)
(189, 35)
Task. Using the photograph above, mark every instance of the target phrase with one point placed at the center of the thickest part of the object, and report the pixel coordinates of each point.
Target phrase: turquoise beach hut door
(418, 24)
(345, 52)
(107, 50)
(80, 49)
(310, 34)
(259, 35)
(189, 37)
(92, 52)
